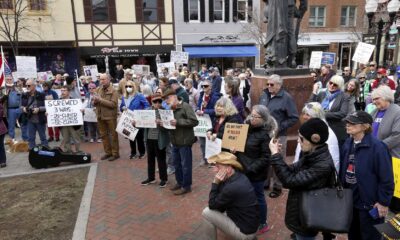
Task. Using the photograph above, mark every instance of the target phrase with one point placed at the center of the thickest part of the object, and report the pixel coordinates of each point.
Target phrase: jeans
(92, 130)
(362, 226)
(262, 204)
(41, 129)
(183, 165)
(12, 116)
(154, 152)
(3, 157)
(300, 237)
(170, 160)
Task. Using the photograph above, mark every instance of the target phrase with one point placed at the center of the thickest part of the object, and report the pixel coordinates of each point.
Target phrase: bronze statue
(281, 41)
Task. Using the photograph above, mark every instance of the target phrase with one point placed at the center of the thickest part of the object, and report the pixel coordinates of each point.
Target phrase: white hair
(276, 79)
(338, 80)
(383, 92)
(314, 110)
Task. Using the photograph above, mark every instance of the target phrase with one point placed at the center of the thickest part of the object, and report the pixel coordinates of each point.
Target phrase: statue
(281, 41)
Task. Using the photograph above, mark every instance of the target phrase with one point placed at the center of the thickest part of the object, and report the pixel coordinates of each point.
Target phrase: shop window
(37, 5)
(348, 16)
(100, 10)
(218, 10)
(150, 11)
(317, 16)
(6, 4)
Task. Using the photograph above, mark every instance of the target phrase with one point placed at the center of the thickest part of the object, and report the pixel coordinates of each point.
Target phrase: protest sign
(64, 112)
(396, 176)
(89, 115)
(315, 60)
(145, 118)
(125, 127)
(179, 57)
(90, 70)
(235, 136)
(141, 69)
(46, 76)
(213, 147)
(328, 58)
(26, 67)
(363, 52)
(166, 117)
(169, 65)
(204, 125)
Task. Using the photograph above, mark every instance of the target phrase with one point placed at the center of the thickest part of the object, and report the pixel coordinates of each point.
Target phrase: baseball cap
(359, 117)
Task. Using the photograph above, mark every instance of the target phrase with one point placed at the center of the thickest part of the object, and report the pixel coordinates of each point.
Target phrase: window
(100, 10)
(194, 10)
(6, 4)
(37, 5)
(218, 10)
(150, 11)
(348, 16)
(242, 10)
(317, 16)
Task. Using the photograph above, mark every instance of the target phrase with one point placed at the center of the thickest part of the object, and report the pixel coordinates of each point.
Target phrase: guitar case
(43, 157)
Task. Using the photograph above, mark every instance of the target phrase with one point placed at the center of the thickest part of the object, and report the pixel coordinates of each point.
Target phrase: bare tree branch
(255, 28)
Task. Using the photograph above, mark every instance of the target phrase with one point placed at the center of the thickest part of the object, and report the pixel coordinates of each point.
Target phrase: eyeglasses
(128, 86)
(270, 84)
(205, 86)
(362, 77)
(157, 101)
(254, 116)
(333, 84)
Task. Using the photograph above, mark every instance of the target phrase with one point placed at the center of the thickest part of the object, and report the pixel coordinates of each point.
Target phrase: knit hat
(225, 158)
(315, 131)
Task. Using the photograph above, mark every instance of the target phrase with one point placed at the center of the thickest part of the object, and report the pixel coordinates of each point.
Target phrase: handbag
(327, 209)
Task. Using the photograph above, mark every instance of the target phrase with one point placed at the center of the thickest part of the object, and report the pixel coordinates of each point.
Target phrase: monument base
(282, 71)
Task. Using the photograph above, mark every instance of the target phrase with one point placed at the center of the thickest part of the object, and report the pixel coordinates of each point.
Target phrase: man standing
(106, 103)
(182, 139)
(69, 133)
(231, 192)
(180, 91)
(371, 73)
(283, 108)
(346, 74)
(12, 101)
(215, 79)
(32, 105)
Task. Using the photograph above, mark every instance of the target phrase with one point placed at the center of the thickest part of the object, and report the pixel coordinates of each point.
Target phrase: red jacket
(386, 81)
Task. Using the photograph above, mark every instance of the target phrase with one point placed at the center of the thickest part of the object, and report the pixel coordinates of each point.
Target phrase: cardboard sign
(166, 117)
(89, 115)
(90, 70)
(315, 60)
(179, 57)
(125, 127)
(396, 176)
(213, 147)
(204, 124)
(169, 65)
(235, 136)
(64, 112)
(363, 52)
(145, 118)
(26, 67)
(141, 69)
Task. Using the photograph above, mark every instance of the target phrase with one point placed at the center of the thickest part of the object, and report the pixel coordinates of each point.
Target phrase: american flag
(4, 68)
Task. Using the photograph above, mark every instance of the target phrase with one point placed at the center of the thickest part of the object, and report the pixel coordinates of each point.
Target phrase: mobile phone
(374, 213)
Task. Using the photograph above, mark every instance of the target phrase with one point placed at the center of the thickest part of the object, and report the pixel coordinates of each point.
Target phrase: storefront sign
(369, 38)
(125, 51)
(392, 37)
(221, 39)
(363, 52)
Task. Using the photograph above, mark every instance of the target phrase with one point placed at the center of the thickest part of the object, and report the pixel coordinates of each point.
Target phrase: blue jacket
(139, 102)
(374, 172)
(52, 93)
(210, 108)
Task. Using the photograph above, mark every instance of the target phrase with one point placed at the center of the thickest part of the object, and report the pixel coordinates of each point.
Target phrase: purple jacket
(3, 128)
(239, 104)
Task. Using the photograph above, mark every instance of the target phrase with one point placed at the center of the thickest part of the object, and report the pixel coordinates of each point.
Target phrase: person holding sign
(133, 100)
(182, 139)
(51, 95)
(92, 125)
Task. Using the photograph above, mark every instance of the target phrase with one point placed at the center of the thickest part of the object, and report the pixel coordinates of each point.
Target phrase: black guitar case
(43, 157)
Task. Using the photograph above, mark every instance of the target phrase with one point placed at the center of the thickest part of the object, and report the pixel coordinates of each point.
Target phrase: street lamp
(370, 8)
(393, 7)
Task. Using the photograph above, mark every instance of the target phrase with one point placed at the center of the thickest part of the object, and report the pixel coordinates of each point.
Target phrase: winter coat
(228, 119)
(210, 107)
(27, 102)
(139, 102)
(186, 120)
(107, 107)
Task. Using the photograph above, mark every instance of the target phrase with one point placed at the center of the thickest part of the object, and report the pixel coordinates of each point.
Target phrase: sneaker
(163, 184)
(99, 140)
(141, 156)
(148, 181)
(170, 171)
(132, 156)
(91, 140)
(263, 228)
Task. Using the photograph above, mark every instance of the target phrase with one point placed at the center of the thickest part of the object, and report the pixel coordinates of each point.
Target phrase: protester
(11, 102)
(73, 88)
(371, 72)
(195, 78)
(365, 92)
(133, 100)
(119, 73)
(182, 139)
(317, 84)
(147, 92)
(93, 131)
(232, 205)
(232, 91)
(180, 91)
(215, 79)
(3, 131)
(352, 88)
(346, 74)
(69, 133)
(244, 87)
(128, 77)
(54, 132)
(366, 169)
(203, 72)
(192, 92)
(326, 75)
(313, 171)
(283, 108)
(256, 155)
(106, 103)
(382, 79)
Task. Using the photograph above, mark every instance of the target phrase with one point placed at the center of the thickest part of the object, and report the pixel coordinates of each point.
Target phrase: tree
(256, 28)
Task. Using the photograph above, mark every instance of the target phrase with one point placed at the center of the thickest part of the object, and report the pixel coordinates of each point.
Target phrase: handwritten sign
(145, 118)
(26, 67)
(363, 52)
(46, 76)
(204, 125)
(90, 70)
(125, 127)
(169, 65)
(235, 135)
(166, 117)
(141, 69)
(89, 115)
(315, 60)
(213, 147)
(64, 112)
(179, 57)
(396, 176)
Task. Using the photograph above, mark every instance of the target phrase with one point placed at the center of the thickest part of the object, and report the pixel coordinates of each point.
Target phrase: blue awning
(221, 51)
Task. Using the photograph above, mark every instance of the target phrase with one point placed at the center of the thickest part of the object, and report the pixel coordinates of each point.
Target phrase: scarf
(330, 96)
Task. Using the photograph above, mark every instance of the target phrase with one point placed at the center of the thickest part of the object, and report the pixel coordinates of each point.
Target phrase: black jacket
(255, 158)
(228, 119)
(236, 197)
(313, 171)
(39, 103)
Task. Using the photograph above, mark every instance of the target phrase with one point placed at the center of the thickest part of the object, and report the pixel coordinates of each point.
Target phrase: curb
(47, 170)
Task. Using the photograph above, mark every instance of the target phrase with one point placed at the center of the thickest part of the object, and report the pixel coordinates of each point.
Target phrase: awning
(221, 51)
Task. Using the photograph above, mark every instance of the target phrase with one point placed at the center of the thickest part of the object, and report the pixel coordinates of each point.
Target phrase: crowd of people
(350, 125)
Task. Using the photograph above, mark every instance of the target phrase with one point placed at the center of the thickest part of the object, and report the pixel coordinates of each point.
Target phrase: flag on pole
(2, 68)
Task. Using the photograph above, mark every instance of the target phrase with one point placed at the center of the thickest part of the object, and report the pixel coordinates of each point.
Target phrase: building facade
(214, 32)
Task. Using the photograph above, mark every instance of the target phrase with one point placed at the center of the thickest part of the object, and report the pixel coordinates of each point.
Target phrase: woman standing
(256, 155)
(3, 131)
(366, 168)
(133, 100)
(352, 88)
(232, 90)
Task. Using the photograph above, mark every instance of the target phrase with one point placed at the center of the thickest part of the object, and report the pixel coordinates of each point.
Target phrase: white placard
(64, 112)
(145, 118)
(46, 76)
(213, 147)
(315, 60)
(363, 52)
(26, 67)
(141, 69)
(166, 117)
(125, 127)
(90, 70)
(204, 125)
(179, 57)
(169, 65)
(89, 115)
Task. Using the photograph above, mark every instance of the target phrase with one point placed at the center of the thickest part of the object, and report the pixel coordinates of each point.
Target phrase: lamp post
(370, 8)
